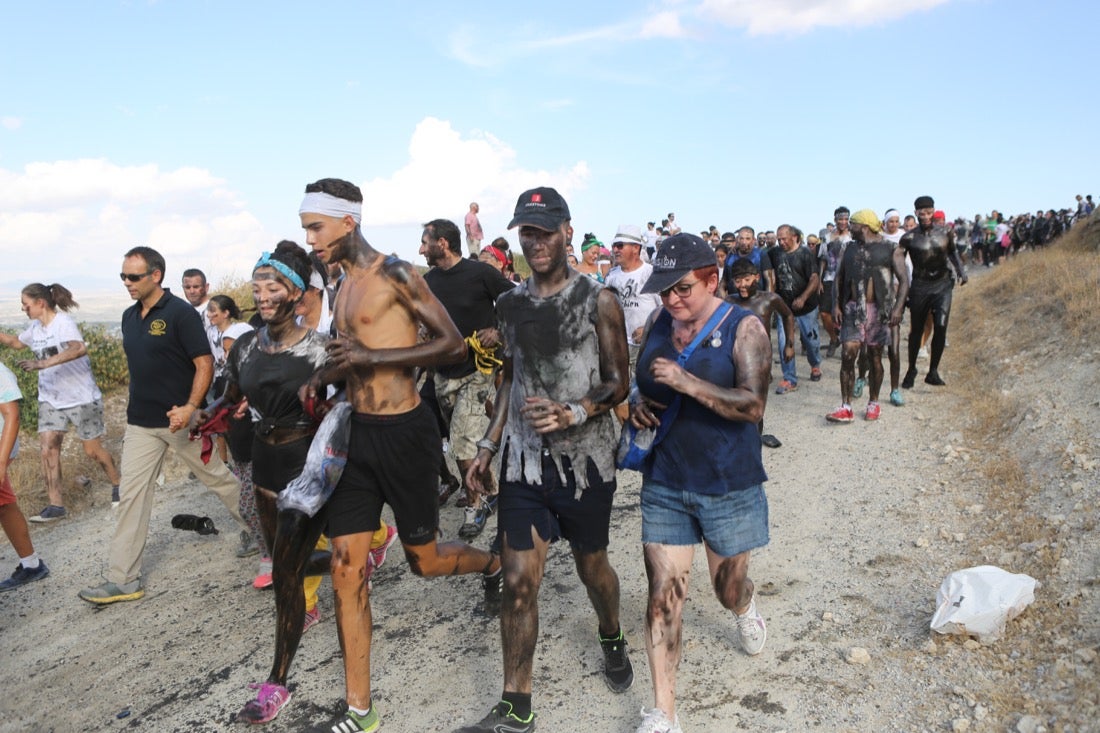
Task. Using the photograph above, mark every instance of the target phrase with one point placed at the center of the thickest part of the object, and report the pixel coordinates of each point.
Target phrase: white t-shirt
(636, 305)
(235, 331)
(9, 392)
(65, 385)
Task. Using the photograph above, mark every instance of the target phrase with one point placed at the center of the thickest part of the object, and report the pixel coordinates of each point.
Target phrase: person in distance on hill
(865, 308)
(930, 249)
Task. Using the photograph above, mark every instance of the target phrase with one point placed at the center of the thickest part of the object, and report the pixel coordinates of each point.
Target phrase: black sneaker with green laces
(501, 719)
(617, 671)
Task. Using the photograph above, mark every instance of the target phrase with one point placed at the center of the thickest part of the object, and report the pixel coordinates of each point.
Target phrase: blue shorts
(731, 524)
(554, 512)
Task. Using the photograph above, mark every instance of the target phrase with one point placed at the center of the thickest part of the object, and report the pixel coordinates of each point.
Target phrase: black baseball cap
(543, 208)
(676, 257)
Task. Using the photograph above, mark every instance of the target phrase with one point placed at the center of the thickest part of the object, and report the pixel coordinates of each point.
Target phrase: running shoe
(785, 387)
(476, 519)
(378, 554)
(751, 629)
(49, 514)
(857, 388)
(922, 353)
(934, 378)
(770, 441)
(270, 699)
(263, 579)
(113, 592)
(831, 351)
(617, 671)
(493, 586)
(815, 374)
(841, 414)
(23, 575)
(896, 399)
(655, 721)
(501, 719)
(910, 377)
(248, 546)
(873, 411)
(311, 619)
(446, 488)
(353, 722)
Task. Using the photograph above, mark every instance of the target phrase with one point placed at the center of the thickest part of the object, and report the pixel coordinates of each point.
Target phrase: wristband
(580, 415)
(488, 445)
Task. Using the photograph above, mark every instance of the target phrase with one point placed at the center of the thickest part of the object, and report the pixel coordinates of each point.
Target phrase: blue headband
(267, 261)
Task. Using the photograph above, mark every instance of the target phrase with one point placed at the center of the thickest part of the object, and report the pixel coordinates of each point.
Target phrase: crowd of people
(529, 384)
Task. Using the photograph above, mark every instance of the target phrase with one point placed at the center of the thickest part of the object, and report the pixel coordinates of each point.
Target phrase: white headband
(328, 205)
(891, 212)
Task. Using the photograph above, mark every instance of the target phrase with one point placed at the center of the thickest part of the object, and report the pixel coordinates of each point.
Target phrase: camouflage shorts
(86, 418)
(462, 402)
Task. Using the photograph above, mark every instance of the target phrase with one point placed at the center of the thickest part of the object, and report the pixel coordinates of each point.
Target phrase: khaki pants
(143, 451)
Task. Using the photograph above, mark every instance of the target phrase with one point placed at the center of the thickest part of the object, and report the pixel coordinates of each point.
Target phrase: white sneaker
(654, 720)
(751, 629)
(922, 354)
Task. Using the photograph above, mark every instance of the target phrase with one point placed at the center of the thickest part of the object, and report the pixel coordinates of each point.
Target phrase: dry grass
(1028, 321)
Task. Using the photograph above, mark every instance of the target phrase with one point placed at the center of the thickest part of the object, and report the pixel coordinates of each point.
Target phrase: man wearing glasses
(171, 368)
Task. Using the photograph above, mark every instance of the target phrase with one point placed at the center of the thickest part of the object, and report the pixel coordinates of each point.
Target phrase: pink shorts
(7, 496)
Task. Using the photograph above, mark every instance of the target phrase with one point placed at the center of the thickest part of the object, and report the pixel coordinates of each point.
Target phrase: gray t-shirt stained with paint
(555, 354)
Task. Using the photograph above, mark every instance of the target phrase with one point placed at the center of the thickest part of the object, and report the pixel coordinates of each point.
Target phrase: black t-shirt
(468, 290)
(160, 351)
(793, 271)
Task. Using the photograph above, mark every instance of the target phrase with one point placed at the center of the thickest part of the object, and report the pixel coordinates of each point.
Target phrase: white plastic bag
(980, 601)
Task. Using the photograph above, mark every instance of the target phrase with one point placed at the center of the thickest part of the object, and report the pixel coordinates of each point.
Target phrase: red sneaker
(873, 411)
(785, 387)
(840, 414)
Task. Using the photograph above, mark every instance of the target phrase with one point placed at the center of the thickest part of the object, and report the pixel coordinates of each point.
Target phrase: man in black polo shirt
(468, 289)
(170, 371)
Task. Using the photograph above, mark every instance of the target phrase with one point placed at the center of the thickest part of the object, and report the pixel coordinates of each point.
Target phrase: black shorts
(275, 466)
(392, 459)
(553, 511)
(827, 299)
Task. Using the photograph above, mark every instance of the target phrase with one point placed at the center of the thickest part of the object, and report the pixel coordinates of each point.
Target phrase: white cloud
(11, 123)
(762, 17)
(665, 24)
(75, 218)
(446, 171)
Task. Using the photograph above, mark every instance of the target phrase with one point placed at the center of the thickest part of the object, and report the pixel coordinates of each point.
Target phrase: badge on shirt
(158, 328)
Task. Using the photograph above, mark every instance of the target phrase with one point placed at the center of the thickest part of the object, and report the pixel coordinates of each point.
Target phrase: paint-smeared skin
(930, 250)
(731, 583)
(668, 570)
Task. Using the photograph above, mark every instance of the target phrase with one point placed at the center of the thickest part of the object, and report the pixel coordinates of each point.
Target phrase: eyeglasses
(681, 289)
(130, 277)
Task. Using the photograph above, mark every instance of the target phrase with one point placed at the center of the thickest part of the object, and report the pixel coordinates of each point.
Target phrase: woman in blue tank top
(704, 365)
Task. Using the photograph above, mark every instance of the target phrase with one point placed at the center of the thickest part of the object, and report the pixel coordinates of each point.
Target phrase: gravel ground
(866, 520)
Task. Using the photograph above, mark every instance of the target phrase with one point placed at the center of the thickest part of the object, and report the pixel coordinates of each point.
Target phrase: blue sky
(194, 126)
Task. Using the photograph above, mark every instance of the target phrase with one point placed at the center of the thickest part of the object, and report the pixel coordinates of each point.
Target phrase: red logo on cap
(536, 198)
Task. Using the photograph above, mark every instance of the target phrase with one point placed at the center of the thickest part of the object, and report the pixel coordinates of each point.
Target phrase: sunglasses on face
(130, 277)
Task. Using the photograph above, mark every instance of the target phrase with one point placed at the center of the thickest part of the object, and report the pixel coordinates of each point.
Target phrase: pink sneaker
(312, 619)
(378, 554)
(270, 699)
(841, 414)
(873, 411)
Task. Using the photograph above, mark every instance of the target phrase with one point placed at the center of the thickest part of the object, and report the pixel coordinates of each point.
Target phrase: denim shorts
(730, 524)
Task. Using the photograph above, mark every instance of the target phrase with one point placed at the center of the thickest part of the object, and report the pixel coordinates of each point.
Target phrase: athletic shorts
(869, 330)
(553, 510)
(392, 459)
(828, 296)
(462, 403)
(86, 418)
(275, 466)
(7, 496)
(729, 524)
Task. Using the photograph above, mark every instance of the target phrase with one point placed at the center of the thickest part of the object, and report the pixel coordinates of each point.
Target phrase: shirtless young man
(930, 248)
(744, 291)
(394, 447)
